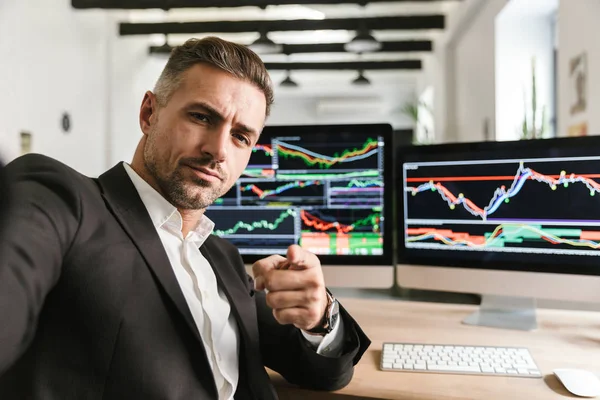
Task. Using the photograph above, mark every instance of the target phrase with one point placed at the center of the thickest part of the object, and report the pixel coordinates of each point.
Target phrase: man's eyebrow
(217, 115)
(246, 129)
(207, 108)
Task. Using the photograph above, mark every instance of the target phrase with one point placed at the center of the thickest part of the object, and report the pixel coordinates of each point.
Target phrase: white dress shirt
(207, 302)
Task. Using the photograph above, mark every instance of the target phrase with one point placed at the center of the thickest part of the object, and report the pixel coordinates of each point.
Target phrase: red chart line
(485, 178)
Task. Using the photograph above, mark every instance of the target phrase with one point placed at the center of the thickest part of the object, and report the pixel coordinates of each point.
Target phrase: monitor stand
(505, 312)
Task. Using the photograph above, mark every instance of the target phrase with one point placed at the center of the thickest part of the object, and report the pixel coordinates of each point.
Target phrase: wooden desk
(564, 339)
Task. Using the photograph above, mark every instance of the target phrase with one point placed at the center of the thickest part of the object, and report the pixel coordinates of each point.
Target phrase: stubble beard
(176, 186)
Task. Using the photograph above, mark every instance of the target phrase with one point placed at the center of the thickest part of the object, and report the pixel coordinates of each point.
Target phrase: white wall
(524, 30)
(132, 73)
(579, 32)
(53, 59)
(472, 100)
(330, 98)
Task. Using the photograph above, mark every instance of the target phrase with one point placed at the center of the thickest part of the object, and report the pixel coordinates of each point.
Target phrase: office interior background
(74, 72)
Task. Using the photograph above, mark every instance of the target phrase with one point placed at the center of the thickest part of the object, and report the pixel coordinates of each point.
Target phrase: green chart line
(257, 224)
(329, 176)
(311, 158)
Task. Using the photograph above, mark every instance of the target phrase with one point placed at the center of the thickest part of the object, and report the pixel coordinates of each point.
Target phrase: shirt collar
(163, 214)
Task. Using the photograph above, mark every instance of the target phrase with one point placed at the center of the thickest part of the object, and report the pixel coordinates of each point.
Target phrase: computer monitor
(514, 221)
(324, 187)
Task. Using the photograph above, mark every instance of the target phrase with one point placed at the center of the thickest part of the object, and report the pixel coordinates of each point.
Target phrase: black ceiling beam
(170, 4)
(399, 46)
(405, 22)
(353, 65)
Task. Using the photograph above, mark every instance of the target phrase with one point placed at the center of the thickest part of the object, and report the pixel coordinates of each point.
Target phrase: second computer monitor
(518, 219)
(324, 187)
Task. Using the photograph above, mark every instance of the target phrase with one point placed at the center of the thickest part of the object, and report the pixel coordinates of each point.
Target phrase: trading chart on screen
(324, 193)
(535, 205)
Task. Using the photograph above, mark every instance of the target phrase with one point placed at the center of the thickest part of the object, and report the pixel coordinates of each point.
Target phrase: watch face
(334, 313)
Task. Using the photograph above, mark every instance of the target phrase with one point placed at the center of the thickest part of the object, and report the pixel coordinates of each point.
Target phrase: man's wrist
(330, 317)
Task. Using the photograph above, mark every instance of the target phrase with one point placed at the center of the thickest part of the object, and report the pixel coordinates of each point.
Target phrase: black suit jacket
(91, 309)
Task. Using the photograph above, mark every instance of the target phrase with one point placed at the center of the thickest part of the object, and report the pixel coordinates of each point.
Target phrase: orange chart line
(321, 225)
(485, 178)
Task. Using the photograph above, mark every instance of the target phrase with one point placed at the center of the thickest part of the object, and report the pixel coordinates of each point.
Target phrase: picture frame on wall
(578, 82)
(25, 143)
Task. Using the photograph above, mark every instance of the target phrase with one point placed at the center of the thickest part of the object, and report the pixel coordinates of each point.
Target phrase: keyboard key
(453, 368)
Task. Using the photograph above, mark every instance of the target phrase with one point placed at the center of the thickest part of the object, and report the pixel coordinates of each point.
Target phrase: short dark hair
(236, 59)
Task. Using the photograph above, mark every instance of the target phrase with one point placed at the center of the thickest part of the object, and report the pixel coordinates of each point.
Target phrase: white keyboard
(452, 359)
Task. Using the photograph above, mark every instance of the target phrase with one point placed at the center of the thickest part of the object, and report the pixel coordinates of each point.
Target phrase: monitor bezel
(380, 129)
(404, 257)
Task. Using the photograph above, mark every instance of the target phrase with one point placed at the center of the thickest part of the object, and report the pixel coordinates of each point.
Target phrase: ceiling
(408, 29)
(291, 15)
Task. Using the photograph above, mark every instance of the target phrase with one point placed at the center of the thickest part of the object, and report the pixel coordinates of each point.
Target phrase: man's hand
(295, 285)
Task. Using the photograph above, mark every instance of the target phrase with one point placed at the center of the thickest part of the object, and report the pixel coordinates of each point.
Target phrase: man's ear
(148, 112)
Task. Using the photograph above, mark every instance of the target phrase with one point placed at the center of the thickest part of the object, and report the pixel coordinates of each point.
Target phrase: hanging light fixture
(361, 80)
(363, 42)
(288, 81)
(164, 48)
(264, 45)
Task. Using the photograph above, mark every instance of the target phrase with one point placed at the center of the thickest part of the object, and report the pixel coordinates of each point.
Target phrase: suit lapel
(234, 288)
(123, 199)
(242, 306)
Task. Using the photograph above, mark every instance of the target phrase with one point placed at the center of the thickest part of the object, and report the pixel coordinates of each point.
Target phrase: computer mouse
(578, 381)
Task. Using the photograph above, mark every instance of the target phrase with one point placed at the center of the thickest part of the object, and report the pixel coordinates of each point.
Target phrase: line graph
(261, 156)
(329, 175)
(322, 223)
(265, 148)
(501, 195)
(235, 222)
(342, 231)
(356, 185)
(290, 152)
(523, 236)
(279, 189)
(266, 173)
(356, 193)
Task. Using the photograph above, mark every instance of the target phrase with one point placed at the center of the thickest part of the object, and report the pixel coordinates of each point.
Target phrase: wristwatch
(330, 319)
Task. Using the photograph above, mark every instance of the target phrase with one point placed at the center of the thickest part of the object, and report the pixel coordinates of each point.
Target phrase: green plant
(532, 129)
(411, 109)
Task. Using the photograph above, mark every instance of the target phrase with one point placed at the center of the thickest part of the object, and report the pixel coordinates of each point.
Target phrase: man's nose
(216, 143)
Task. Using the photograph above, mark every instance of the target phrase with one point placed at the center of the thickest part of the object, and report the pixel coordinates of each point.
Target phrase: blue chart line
(501, 194)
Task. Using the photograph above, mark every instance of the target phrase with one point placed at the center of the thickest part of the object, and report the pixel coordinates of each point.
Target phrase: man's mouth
(205, 173)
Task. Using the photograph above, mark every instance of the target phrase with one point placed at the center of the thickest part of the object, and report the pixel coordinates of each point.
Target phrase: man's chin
(199, 201)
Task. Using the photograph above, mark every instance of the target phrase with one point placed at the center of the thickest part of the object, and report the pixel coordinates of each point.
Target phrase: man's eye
(243, 139)
(199, 117)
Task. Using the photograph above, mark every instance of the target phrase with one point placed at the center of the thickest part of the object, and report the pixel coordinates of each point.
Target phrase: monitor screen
(530, 205)
(322, 187)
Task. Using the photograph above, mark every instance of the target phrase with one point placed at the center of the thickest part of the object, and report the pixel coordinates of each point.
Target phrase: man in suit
(115, 288)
